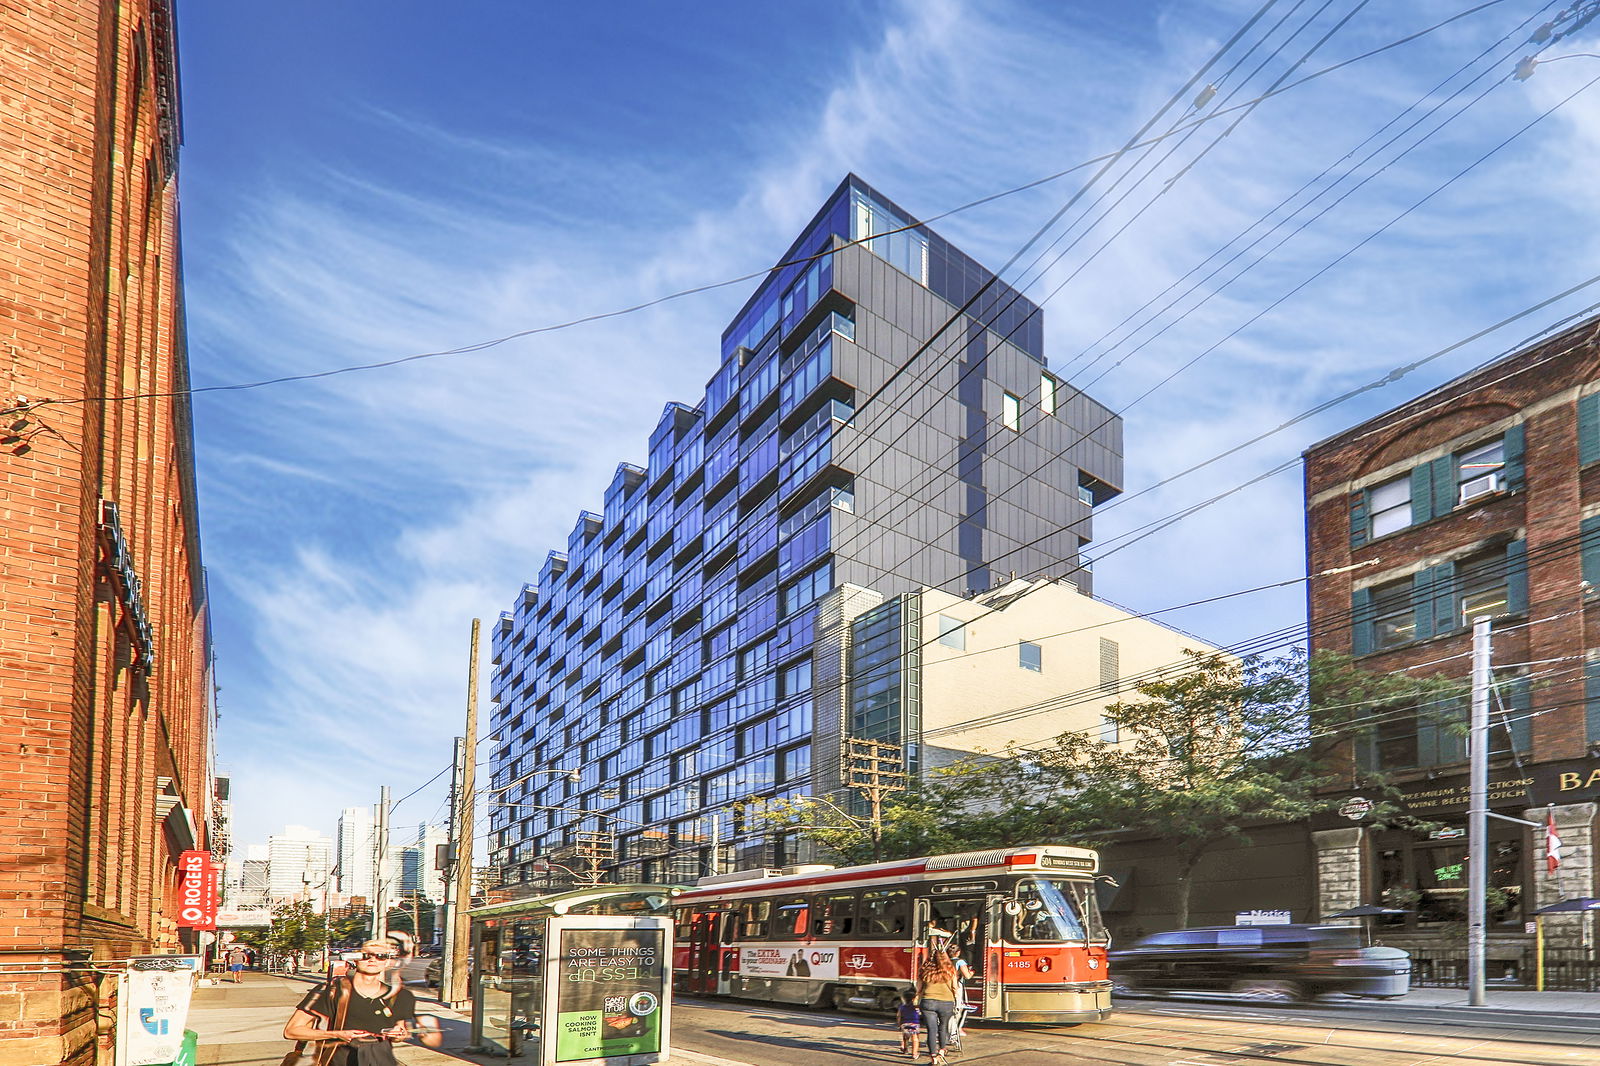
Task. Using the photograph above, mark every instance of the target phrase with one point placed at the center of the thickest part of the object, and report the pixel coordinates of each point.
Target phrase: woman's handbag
(301, 1054)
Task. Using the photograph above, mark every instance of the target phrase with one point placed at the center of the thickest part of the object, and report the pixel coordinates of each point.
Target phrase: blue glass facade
(667, 655)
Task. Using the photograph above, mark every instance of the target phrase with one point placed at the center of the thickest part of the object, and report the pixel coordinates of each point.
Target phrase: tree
(413, 911)
(296, 929)
(1199, 754)
(904, 825)
(351, 925)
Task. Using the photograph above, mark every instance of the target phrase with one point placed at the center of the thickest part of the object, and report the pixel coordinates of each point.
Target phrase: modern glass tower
(882, 418)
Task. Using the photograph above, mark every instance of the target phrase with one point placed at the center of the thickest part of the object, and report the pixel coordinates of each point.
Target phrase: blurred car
(342, 963)
(1272, 963)
(431, 976)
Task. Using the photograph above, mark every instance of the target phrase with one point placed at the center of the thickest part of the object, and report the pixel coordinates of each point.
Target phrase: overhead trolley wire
(710, 286)
(912, 493)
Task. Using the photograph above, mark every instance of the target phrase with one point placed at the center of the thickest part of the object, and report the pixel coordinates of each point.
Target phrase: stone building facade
(106, 773)
(1478, 499)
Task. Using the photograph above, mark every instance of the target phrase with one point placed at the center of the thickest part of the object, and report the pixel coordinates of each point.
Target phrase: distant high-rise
(300, 865)
(882, 417)
(357, 844)
(430, 879)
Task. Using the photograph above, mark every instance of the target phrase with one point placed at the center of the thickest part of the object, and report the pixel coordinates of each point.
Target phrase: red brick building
(105, 761)
(1479, 499)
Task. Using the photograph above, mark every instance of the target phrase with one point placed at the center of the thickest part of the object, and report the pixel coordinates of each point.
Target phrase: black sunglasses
(379, 955)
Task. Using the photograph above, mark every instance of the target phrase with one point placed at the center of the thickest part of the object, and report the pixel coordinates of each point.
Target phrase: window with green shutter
(1514, 468)
(1589, 429)
(1393, 615)
(1389, 505)
(1433, 489)
(1591, 701)
(1361, 622)
(1589, 538)
(1480, 471)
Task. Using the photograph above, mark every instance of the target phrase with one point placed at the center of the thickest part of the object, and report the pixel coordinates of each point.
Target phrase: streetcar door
(993, 976)
(704, 951)
(727, 952)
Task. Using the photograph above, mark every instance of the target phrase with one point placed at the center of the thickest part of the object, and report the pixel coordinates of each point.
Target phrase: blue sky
(365, 181)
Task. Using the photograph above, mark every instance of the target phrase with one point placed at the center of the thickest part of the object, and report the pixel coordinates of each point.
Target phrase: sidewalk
(242, 1025)
(1584, 1003)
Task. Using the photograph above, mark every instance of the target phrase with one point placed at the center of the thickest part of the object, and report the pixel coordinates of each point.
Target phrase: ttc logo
(859, 961)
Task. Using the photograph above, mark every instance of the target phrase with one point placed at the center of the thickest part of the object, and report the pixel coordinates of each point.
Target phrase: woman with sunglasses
(363, 1007)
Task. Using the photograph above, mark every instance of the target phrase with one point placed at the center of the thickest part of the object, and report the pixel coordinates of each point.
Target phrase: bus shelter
(511, 942)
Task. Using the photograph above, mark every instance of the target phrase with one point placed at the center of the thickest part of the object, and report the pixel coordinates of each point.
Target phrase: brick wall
(92, 727)
(1537, 389)
(1532, 398)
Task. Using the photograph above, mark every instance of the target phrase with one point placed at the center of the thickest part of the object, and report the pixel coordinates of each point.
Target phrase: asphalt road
(1157, 1033)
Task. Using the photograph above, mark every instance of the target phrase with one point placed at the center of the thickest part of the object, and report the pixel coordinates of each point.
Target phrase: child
(910, 1020)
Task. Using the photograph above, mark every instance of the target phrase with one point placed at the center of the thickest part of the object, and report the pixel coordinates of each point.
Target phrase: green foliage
(350, 925)
(1200, 756)
(406, 916)
(296, 928)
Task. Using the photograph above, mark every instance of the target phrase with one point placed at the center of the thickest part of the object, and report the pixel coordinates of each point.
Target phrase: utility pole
(454, 984)
(875, 770)
(380, 892)
(1477, 813)
(446, 866)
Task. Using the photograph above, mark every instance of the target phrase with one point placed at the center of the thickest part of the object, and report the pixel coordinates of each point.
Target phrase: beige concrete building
(947, 676)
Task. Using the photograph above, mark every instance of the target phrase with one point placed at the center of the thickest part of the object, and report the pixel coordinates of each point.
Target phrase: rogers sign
(197, 891)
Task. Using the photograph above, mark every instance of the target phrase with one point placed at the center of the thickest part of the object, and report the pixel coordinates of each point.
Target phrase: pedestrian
(237, 958)
(936, 993)
(405, 947)
(963, 975)
(910, 1022)
(355, 1020)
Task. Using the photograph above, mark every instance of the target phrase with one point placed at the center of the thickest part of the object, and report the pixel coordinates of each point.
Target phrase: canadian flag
(1552, 845)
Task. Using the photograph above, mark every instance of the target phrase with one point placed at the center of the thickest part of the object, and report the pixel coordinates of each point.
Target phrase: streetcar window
(838, 917)
(792, 918)
(1051, 910)
(885, 912)
(756, 915)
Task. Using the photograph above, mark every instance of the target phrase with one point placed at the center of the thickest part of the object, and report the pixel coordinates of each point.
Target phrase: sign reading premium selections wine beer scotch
(607, 991)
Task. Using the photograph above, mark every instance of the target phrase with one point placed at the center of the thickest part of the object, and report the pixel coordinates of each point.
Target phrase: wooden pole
(455, 990)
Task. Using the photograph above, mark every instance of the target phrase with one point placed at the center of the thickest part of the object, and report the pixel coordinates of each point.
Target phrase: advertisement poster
(153, 1007)
(609, 987)
(795, 961)
(197, 890)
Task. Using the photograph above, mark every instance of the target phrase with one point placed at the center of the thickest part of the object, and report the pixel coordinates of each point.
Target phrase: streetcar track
(1121, 1035)
(1096, 1033)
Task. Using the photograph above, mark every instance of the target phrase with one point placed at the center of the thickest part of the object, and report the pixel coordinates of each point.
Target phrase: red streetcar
(1025, 919)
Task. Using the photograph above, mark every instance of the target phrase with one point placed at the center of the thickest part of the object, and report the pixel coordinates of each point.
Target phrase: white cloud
(354, 524)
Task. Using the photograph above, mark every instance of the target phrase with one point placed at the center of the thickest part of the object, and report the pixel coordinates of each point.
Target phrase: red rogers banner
(197, 891)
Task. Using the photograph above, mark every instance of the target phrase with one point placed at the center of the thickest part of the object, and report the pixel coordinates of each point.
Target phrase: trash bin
(1385, 974)
(188, 1051)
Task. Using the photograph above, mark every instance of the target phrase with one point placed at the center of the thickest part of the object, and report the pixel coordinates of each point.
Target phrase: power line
(711, 286)
(993, 278)
(912, 493)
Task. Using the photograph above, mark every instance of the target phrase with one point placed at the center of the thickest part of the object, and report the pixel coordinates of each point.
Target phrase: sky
(362, 182)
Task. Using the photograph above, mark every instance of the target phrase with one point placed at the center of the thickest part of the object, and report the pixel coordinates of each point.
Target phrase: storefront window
(1428, 880)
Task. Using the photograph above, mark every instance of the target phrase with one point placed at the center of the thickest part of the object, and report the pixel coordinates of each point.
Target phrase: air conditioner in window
(1480, 486)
